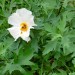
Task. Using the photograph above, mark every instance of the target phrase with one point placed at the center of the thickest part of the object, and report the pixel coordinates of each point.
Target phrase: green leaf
(48, 27)
(72, 73)
(11, 67)
(25, 56)
(3, 33)
(62, 72)
(54, 64)
(5, 45)
(54, 74)
(28, 73)
(61, 24)
(48, 4)
(56, 36)
(73, 61)
(49, 47)
(70, 15)
(12, 4)
(65, 2)
(34, 44)
(1, 22)
(68, 46)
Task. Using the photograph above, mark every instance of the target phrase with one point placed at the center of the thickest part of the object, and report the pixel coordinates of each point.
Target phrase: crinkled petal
(15, 19)
(15, 32)
(24, 14)
(23, 10)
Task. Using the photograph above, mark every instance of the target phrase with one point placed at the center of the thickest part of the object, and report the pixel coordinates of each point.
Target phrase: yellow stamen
(24, 27)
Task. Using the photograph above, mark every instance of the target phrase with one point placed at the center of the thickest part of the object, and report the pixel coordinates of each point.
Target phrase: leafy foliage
(51, 50)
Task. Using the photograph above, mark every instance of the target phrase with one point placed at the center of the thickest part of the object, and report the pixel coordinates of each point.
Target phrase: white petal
(26, 39)
(31, 22)
(25, 35)
(24, 14)
(15, 32)
(14, 20)
(23, 10)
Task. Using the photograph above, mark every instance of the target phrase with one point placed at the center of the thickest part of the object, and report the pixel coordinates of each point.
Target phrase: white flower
(22, 21)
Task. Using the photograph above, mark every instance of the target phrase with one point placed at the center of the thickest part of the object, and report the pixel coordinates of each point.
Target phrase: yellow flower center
(24, 27)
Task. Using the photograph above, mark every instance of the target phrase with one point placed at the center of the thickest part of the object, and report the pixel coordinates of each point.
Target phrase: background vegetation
(51, 50)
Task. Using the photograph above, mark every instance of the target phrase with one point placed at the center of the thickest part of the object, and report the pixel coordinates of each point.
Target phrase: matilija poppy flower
(22, 21)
